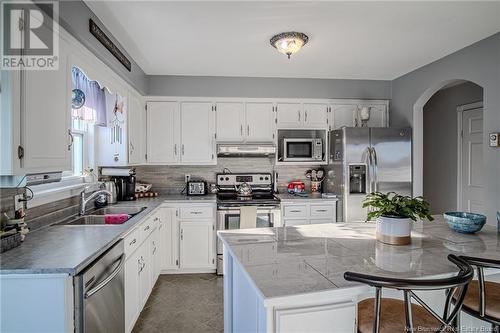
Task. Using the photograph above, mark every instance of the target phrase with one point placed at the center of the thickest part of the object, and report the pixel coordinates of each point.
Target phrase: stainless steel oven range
(230, 200)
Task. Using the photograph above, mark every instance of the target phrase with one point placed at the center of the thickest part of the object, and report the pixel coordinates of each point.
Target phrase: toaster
(196, 187)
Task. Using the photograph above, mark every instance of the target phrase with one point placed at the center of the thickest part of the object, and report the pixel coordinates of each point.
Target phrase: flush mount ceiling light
(289, 42)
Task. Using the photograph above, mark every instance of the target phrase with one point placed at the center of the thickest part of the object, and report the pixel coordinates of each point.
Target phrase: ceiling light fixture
(289, 42)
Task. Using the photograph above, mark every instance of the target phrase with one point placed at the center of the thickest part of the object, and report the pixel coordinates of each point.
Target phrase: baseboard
(187, 271)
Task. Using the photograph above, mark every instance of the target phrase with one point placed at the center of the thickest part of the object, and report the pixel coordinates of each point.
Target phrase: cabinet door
(131, 287)
(343, 115)
(230, 122)
(197, 133)
(197, 244)
(163, 132)
(145, 272)
(45, 117)
(315, 115)
(260, 124)
(169, 238)
(136, 130)
(289, 115)
(378, 116)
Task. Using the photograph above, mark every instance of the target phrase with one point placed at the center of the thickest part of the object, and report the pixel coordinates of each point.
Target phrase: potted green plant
(394, 214)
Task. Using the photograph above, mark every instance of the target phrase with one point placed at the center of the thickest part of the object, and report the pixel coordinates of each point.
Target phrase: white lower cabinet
(131, 285)
(196, 245)
(312, 211)
(169, 238)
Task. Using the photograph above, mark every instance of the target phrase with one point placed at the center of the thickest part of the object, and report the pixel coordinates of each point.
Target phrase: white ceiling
(350, 40)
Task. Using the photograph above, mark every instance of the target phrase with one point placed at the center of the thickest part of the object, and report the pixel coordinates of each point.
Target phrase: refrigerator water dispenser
(357, 178)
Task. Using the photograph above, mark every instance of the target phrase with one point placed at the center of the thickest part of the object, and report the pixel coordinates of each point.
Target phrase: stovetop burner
(266, 198)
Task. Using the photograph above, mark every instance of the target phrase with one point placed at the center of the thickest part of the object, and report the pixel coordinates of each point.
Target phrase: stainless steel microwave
(302, 150)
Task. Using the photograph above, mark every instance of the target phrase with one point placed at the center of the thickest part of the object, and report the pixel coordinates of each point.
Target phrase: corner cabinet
(348, 114)
(180, 133)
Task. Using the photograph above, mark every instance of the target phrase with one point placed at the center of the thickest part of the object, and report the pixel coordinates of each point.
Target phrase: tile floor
(184, 303)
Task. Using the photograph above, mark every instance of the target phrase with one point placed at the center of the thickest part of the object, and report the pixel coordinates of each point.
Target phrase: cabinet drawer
(321, 221)
(147, 227)
(292, 222)
(295, 211)
(201, 212)
(132, 241)
(321, 211)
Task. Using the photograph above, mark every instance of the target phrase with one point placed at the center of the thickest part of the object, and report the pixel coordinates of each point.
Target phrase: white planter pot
(394, 231)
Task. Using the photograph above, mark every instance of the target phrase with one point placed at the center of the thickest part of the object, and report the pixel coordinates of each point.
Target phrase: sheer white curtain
(94, 109)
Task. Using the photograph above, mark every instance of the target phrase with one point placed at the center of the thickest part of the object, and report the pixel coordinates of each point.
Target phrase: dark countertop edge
(151, 204)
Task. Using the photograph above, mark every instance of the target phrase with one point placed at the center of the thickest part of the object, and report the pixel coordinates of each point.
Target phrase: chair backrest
(455, 285)
(480, 264)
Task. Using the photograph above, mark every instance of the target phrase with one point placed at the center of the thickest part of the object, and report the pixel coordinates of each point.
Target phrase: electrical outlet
(18, 201)
(187, 177)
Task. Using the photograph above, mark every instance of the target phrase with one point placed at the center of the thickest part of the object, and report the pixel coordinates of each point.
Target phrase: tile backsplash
(170, 179)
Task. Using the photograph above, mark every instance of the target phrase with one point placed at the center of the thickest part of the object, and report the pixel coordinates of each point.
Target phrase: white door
(163, 124)
(472, 161)
(45, 117)
(197, 244)
(343, 115)
(315, 115)
(230, 122)
(131, 287)
(289, 115)
(260, 122)
(197, 133)
(136, 130)
(378, 115)
(169, 238)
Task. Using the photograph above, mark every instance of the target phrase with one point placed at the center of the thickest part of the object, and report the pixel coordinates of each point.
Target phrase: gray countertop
(70, 248)
(310, 196)
(287, 261)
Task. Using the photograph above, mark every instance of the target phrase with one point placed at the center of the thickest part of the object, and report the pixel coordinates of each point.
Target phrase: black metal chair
(393, 315)
(482, 299)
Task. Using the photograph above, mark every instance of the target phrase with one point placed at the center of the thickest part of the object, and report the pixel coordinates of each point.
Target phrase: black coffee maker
(125, 187)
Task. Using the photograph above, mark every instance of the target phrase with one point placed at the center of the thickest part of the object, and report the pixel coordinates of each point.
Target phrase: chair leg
(456, 323)
(495, 328)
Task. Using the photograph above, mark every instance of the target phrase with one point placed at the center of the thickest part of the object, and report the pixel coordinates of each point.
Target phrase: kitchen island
(290, 279)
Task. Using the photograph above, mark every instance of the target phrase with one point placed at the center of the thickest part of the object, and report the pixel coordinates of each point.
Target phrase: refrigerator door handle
(368, 160)
(375, 169)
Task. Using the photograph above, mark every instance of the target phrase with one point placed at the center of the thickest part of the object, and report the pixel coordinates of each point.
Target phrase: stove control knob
(267, 178)
(262, 178)
(227, 178)
(221, 178)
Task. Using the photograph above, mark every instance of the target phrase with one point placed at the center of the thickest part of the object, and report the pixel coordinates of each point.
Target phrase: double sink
(97, 217)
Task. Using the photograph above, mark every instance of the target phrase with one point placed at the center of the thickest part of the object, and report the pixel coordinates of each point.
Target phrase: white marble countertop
(288, 261)
(70, 248)
(310, 196)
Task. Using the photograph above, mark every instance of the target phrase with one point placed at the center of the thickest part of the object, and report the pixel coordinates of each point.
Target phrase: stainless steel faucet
(84, 201)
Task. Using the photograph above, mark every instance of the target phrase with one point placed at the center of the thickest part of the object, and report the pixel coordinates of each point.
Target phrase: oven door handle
(111, 276)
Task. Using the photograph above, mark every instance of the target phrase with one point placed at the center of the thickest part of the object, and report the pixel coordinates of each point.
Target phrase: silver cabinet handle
(131, 147)
(175, 149)
(298, 112)
(108, 279)
(72, 139)
(248, 130)
(241, 130)
(295, 211)
(156, 219)
(182, 234)
(132, 242)
(321, 210)
(305, 118)
(147, 228)
(196, 213)
(182, 149)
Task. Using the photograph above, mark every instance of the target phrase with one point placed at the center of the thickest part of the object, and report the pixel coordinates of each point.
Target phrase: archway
(435, 95)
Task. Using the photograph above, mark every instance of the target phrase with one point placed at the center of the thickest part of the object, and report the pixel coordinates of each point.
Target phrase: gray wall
(479, 63)
(440, 137)
(74, 17)
(206, 86)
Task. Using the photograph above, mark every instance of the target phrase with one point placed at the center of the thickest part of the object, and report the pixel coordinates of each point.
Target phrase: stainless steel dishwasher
(99, 294)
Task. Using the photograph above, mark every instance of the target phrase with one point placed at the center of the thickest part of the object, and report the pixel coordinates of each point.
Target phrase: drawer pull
(295, 211)
(321, 210)
(132, 242)
(156, 219)
(196, 213)
(147, 228)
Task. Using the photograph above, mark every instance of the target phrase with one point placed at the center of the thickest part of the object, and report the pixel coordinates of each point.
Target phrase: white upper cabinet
(136, 129)
(289, 115)
(230, 122)
(343, 115)
(315, 115)
(45, 96)
(302, 115)
(197, 133)
(378, 115)
(260, 122)
(163, 135)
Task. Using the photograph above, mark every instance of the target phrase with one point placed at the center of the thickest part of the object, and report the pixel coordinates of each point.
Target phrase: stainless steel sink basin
(118, 210)
(86, 220)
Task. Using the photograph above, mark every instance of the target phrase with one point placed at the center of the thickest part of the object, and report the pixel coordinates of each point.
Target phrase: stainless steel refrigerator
(370, 159)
